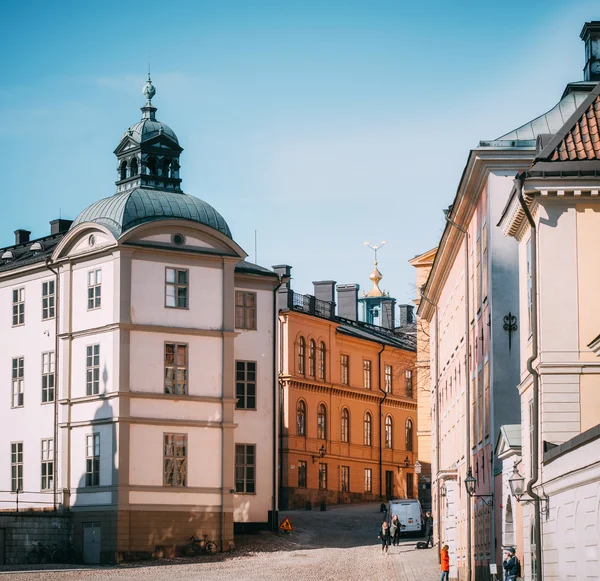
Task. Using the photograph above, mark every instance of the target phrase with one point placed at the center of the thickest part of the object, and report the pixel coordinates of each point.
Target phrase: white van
(409, 514)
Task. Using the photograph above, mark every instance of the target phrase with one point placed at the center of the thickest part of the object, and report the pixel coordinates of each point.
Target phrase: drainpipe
(222, 516)
(56, 376)
(380, 422)
(536, 383)
(467, 389)
(275, 410)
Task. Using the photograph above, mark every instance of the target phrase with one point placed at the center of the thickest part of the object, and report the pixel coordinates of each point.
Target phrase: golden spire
(376, 276)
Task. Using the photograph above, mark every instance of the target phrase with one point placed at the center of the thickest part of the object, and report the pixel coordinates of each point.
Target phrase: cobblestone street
(338, 544)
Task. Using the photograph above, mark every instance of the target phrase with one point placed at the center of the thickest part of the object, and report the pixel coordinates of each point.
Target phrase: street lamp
(322, 451)
(517, 484)
(471, 484)
(417, 467)
(443, 491)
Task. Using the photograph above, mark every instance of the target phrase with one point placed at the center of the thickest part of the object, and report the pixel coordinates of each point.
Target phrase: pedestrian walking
(385, 537)
(512, 565)
(395, 527)
(429, 529)
(445, 563)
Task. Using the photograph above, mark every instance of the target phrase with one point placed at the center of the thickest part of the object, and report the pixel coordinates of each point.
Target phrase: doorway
(92, 539)
(389, 484)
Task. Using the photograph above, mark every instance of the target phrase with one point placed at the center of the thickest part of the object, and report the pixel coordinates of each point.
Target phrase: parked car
(409, 514)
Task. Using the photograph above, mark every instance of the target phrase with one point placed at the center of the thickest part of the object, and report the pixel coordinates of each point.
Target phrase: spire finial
(376, 276)
(149, 91)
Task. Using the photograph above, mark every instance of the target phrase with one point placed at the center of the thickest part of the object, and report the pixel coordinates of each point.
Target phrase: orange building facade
(349, 411)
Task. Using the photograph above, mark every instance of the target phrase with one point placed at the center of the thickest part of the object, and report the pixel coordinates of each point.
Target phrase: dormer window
(133, 168)
(123, 170)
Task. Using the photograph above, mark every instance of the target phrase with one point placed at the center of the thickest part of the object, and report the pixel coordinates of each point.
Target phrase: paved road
(339, 544)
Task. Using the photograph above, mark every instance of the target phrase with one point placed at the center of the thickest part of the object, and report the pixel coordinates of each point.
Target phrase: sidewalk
(416, 565)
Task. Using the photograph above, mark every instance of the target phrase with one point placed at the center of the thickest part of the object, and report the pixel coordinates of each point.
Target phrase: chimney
(324, 290)
(22, 236)
(59, 226)
(388, 308)
(284, 294)
(407, 315)
(348, 301)
(590, 35)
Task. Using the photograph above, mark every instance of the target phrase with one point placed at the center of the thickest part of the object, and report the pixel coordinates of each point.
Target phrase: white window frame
(18, 382)
(94, 296)
(47, 464)
(367, 373)
(388, 378)
(177, 292)
(48, 377)
(368, 480)
(16, 466)
(48, 299)
(176, 373)
(18, 306)
(92, 369)
(245, 471)
(92, 459)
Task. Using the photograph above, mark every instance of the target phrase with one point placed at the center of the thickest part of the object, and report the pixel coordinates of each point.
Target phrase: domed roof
(122, 212)
(146, 129)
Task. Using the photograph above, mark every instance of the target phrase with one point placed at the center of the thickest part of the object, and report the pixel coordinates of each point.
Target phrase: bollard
(308, 505)
(323, 506)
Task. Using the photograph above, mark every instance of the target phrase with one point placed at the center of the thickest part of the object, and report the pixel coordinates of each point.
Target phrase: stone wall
(20, 530)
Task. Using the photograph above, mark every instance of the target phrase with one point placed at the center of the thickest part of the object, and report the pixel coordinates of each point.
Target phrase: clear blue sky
(319, 124)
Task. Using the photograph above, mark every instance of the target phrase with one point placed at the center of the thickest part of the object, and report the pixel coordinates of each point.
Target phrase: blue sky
(319, 124)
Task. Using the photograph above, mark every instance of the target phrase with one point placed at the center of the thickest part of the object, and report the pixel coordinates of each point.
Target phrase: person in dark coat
(429, 528)
(385, 536)
(512, 566)
(395, 527)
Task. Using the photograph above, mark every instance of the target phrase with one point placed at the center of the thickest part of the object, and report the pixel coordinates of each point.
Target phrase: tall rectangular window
(484, 262)
(48, 298)
(368, 480)
(245, 468)
(94, 289)
(322, 476)
(176, 372)
(302, 468)
(92, 460)
(245, 310)
(176, 288)
(478, 273)
(245, 385)
(18, 381)
(345, 362)
(175, 460)
(16, 466)
(18, 307)
(345, 475)
(48, 377)
(529, 284)
(92, 364)
(410, 493)
(480, 412)
(409, 383)
(367, 374)
(388, 378)
(486, 406)
(47, 464)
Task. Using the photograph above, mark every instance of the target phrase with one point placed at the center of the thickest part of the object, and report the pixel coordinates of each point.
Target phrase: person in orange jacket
(445, 563)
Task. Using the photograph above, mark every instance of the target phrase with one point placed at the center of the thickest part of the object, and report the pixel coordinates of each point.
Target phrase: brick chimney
(590, 35)
(22, 236)
(59, 226)
(348, 301)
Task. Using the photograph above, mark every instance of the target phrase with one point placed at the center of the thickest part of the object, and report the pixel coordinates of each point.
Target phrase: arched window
(151, 166)
(322, 422)
(409, 435)
(301, 418)
(133, 167)
(345, 425)
(301, 355)
(166, 168)
(312, 356)
(388, 432)
(367, 429)
(123, 170)
(322, 362)
(174, 169)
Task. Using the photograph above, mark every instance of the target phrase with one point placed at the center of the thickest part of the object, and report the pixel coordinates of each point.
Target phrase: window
(18, 381)
(345, 425)
(388, 378)
(92, 460)
(301, 418)
(322, 476)
(486, 402)
(345, 361)
(47, 464)
(321, 422)
(176, 288)
(48, 300)
(18, 307)
(94, 289)
(478, 273)
(480, 406)
(367, 429)
(123, 170)
(312, 358)
(175, 460)
(245, 468)
(322, 361)
(367, 374)
(92, 385)
(484, 262)
(345, 476)
(388, 432)
(409, 435)
(133, 167)
(245, 385)
(410, 492)
(409, 383)
(368, 480)
(302, 467)
(301, 355)
(245, 310)
(529, 284)
(48, 377)
(176, 368)
(16, 466)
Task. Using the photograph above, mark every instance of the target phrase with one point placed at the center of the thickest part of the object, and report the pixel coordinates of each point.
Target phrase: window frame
(322, 476)
(92, 460)
(301, 356)
(47, 464)
(48, 300)
(176, 286)
(312, 358)
(322, 422)
(244, 468)
(302, 474)
(48, 377)
(248, 318)
(408, 375)
(18, 381)
(175, 368)
(94, 294)
(94, 383)
(16, 467)
(410, 485)
(389, 432)
(18, 306)
(408, 435)
(345, 478)
(388, 381)
(172, 478)
(301, 413)
(369, 480)
(322, 361)
(345, 426)
(246, 383)
(367, 373)
(344, 369)
(368, 429)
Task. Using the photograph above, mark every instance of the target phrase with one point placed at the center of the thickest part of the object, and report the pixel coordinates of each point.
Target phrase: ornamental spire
(149, 91)
(376, 275)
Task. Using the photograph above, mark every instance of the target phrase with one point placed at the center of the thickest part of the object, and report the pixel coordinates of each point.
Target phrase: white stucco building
(139, 365)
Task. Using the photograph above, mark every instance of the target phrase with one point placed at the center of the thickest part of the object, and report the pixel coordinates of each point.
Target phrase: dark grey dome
(122, 212)
(147, 129)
